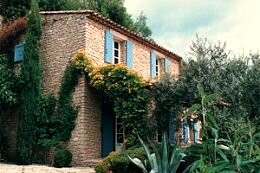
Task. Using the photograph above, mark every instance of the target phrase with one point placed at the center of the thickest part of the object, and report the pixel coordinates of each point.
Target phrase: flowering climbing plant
(124, 88)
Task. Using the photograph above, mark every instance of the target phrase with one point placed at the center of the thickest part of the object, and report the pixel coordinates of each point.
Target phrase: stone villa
(64, 33)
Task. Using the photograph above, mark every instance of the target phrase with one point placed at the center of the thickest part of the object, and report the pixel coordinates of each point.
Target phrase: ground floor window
(119, 134)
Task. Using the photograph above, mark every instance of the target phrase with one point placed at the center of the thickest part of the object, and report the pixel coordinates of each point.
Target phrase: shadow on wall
(8, 126)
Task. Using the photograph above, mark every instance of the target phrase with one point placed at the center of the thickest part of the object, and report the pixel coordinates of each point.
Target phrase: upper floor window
(158, 64)
(157, 67)
(116, 56)
(118, 49)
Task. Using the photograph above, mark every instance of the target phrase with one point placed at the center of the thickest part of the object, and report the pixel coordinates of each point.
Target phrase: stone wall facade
(63, 35)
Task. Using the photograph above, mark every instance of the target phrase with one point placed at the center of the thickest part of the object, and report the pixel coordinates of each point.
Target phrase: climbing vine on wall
(66, 112)
(56, 118)
(124, 89)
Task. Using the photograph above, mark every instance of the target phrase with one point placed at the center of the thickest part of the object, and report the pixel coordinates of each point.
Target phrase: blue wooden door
(108, 123)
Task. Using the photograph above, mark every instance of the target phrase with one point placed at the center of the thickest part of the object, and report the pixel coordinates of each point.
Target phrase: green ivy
(123, 87)
(126, 91)
(56, 117)
(8, 95)
(66, 113)
(46, 122)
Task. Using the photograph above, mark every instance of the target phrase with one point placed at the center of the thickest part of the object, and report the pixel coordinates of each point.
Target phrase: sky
(175, 23)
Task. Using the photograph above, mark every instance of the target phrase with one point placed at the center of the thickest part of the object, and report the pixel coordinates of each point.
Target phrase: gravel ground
(11, 168)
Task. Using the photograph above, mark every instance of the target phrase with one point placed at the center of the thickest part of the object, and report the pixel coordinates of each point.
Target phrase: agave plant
(160, 162)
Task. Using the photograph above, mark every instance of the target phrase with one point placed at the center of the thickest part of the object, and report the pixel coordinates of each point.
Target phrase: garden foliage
(62, 158)
(29, 89)
(56, 117)
(8, 90)
(119, 161)
(126, 91)
(112, 9)
(160, 161)
(238, 152)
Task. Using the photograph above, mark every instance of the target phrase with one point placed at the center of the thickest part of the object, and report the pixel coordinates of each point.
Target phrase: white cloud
(240, 30)
(176, 22)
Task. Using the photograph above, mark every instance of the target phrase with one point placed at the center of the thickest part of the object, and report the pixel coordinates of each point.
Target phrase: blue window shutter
(166, 65)
(171, 130)
(186, 131)
(196, 131)
(18, 52)
(152, 64)
(129, 54)
(109, 47)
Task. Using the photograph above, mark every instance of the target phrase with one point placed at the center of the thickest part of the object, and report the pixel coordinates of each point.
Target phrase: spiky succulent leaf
(155, 164)
(176, 159)
(165, 158)
(138, 163)
(157, 155)
(147, 151)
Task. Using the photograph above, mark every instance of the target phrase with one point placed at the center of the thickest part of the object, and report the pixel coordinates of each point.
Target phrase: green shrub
(119, 162)
(62, 158)
(105, 164)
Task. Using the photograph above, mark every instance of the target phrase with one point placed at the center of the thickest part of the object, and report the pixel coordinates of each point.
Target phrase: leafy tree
(12, 9)
(166, 101)
(234, 152)
(251, 89)
(115, 10)
(234, 80)
(140, 26)
(30, 88)
(112, 9)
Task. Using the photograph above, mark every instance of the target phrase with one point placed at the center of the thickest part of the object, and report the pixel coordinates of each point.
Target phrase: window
(120, 134)
(118, 49)
(157, 67)
(19, 52)
(186, 131)
(158, 64)
(116, 56)
(159, 135)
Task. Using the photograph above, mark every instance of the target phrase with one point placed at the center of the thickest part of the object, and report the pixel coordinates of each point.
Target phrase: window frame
(118, 144)
(159, 135)
(118, 50)
(157, 67)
